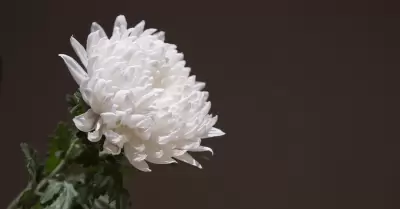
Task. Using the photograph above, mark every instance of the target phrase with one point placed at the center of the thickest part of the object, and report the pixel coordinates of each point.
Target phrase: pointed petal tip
(73, 39)
(146, 170)
(212, 152)
(77, 72)
(187, 158)
(214, 132)
(120, 17)
(141, 24)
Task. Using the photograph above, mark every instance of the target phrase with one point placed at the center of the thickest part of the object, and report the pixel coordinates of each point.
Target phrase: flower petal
(143, 134)
(86, 94)
(92, 64)
(86, 121)
(202, 149)
(79, 50)
(178, 152)
(110, 119)
(96, 135)
(132, 120)
(115, 138)
(96, 27)
(189, 144)
(145, 123)
(149, 98)
(199, 86)
(188, 159)
(141, 165)
(162, 160)
(137, 160)
(167, 138)
(75, 69)
(214, 132)
(160, 35)
(149, 31)
(111, 148)
(138, 29)
(121, 23)
(92, 40)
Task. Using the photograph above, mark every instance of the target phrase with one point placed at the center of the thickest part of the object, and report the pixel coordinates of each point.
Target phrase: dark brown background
(308, 93)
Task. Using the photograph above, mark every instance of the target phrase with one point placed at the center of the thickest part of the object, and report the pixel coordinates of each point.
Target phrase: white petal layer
(142, 96)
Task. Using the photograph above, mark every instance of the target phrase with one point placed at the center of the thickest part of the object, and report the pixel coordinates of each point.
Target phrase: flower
(141, 96)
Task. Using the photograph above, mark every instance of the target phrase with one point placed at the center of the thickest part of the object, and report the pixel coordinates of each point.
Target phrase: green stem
(15, 202)
(58, 168)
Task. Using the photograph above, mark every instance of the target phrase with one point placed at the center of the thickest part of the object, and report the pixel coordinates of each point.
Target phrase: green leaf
(28, 198)
(52, 190)
(103, 202)
(31, 161)
(37, 206)
(59, 144)
(76, 104)
(63, 194)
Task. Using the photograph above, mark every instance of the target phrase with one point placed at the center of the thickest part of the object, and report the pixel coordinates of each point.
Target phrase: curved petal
(114, 138)
(188, 159)
(86, 121)
(111, 148)
(202, 149)
(96, 27)
(79, 50)
(96, 135)
(75, 69)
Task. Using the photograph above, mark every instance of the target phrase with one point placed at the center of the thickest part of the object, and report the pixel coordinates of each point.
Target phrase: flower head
(141, 96)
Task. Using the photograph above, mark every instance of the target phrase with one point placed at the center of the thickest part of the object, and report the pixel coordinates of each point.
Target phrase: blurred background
(307, 92)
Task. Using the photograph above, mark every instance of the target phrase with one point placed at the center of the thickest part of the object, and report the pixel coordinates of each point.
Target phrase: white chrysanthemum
(141, 96)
